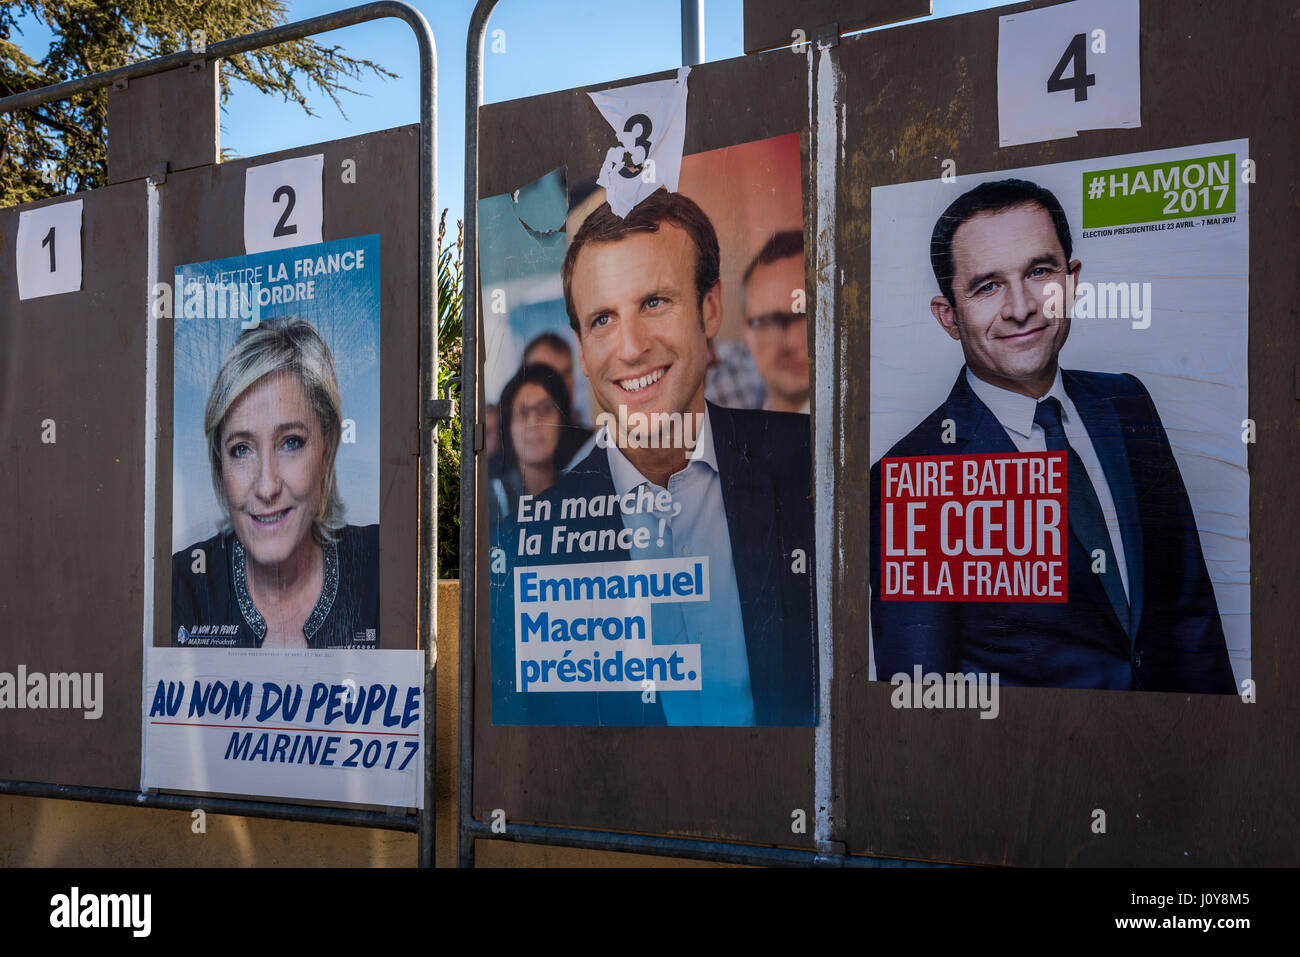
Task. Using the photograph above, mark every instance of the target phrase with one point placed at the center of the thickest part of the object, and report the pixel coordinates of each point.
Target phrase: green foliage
(451, 305)
(61, 147)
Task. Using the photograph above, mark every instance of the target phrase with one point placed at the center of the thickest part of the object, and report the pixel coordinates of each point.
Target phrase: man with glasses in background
(776, 321)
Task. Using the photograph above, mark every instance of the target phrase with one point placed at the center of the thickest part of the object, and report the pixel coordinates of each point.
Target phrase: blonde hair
(285, 344)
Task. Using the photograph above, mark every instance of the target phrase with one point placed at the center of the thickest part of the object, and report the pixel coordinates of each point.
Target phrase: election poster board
(70, 434)
(90, 533)
(276, 682)
(710, 781)
(1157, 762)
(650, 379)
(1054, 768)
(1058, 393)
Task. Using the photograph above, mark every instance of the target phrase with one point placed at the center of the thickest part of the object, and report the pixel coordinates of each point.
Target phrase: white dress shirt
(699, 528)
(1016, 414)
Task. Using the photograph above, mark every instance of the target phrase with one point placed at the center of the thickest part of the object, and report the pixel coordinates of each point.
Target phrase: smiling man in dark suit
(644, 298)
(1147, 620)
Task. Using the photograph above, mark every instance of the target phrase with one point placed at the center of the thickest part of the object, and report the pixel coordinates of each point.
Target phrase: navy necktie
(1086, 520)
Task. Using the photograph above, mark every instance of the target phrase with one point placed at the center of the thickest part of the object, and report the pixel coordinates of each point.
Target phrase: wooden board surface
(738, 784)
(71, 526)
(150, 134)
(773, 23)
(197, 226)
(1183, 779)
(72, 565)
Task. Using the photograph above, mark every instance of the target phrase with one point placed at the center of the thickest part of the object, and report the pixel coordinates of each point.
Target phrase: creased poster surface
(275, 491)
(276, 682)
(1059, 424)
(648, 449)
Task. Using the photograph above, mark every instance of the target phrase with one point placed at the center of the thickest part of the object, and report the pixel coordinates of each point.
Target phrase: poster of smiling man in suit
(664, 576)
(1059, 424)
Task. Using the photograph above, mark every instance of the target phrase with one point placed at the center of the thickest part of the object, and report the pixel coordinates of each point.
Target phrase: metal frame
(692, 32)
(311, 814)
(469, 419)
(750, 855)
(431, 412)
(468, 829)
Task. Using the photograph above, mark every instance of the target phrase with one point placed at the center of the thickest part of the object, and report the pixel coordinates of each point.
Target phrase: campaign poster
(1059, 425)
(275, 458)
(275, 682)
(648, 448)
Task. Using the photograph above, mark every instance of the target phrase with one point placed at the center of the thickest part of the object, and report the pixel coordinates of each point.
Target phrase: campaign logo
(369, 638)
(208, 636)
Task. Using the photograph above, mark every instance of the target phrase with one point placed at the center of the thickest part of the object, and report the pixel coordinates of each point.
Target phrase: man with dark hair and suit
(644, 299)
(1146, 619)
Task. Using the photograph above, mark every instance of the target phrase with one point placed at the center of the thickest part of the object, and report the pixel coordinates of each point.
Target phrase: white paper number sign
(1068, 68)
(282, 204)
(649, 120)
(49, 250)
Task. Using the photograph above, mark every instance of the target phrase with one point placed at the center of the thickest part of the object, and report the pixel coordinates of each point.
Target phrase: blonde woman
(285, 571)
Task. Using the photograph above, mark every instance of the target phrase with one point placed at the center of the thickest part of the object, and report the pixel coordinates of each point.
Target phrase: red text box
(985, 527)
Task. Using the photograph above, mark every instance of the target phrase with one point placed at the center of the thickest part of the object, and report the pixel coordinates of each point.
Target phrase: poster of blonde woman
(276, 458)
(275, 680)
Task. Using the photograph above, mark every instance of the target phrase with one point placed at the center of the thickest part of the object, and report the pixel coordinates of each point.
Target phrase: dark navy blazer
(345, 616)
(765, 466)
(1174, 639)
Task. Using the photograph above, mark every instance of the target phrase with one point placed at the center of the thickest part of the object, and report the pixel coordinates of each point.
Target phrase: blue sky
(548, 46)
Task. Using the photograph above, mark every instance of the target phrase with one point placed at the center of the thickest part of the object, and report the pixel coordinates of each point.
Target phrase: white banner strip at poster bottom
(344, 726)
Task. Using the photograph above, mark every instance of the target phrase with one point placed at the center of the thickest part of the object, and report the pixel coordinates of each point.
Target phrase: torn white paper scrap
(649, 120)
(48, 254)
(283, 204)
(1071, 67)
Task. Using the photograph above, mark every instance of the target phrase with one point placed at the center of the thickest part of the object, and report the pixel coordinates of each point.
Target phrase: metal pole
(749, 854)
(349, 817)
(428, 611)
(469, 395)
(692, 32)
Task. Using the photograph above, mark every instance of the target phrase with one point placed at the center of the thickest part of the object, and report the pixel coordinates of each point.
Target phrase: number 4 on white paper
(48, 251)
(1071, 67)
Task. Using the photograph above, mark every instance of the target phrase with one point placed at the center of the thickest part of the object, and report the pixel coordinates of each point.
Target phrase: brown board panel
(71, 529)
(1183, 779)
(202, 220)
(738, 784)
(72, 565)
(145, 133)
(772, 23)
